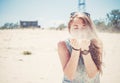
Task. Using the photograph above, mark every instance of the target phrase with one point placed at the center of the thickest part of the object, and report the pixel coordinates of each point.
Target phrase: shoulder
(64, 43)
(62, 47)
(61, 44)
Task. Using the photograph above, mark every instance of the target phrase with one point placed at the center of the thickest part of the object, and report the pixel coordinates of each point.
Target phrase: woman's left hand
(85, 44)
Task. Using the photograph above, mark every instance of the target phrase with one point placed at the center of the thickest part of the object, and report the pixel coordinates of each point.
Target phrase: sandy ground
(43, 65)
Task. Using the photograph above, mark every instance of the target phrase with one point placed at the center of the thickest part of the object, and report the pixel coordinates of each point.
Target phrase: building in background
(27, 24)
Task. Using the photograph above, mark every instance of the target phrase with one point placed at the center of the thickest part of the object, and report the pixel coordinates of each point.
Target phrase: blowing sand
(43, 65)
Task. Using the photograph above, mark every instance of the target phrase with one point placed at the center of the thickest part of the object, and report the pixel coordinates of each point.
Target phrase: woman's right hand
(75, 43)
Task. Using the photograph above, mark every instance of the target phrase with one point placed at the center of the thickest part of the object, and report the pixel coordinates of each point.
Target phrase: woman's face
(78, 23)
(79, 29)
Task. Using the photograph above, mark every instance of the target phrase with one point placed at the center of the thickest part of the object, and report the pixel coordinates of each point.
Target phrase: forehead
(78, 19)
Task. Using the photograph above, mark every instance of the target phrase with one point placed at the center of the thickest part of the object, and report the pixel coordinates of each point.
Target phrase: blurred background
(55, 13)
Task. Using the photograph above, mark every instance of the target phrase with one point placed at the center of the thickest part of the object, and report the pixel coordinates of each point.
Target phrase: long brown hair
(96, 53)
(95, 46)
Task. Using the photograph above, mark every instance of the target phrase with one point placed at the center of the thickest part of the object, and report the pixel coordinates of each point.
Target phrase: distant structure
(26, 24)
(81, 5)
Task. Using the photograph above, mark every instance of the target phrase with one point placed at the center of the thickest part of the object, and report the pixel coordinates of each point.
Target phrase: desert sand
(43, 65)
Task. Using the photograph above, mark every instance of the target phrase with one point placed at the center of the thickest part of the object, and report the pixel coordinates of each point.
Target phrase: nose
(76, 26)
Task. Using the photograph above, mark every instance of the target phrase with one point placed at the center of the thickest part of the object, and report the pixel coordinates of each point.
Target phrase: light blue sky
(51, 12)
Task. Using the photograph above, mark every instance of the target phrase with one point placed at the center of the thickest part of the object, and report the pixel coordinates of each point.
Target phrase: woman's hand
(84, 45)
(75, 43)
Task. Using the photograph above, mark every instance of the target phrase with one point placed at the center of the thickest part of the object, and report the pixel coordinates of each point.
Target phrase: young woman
(81, 54)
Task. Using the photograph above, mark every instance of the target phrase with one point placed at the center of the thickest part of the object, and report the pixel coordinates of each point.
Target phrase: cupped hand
(75, 43)
(84, 45)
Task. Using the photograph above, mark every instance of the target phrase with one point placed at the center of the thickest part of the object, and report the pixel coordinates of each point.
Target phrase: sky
(51, 13)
